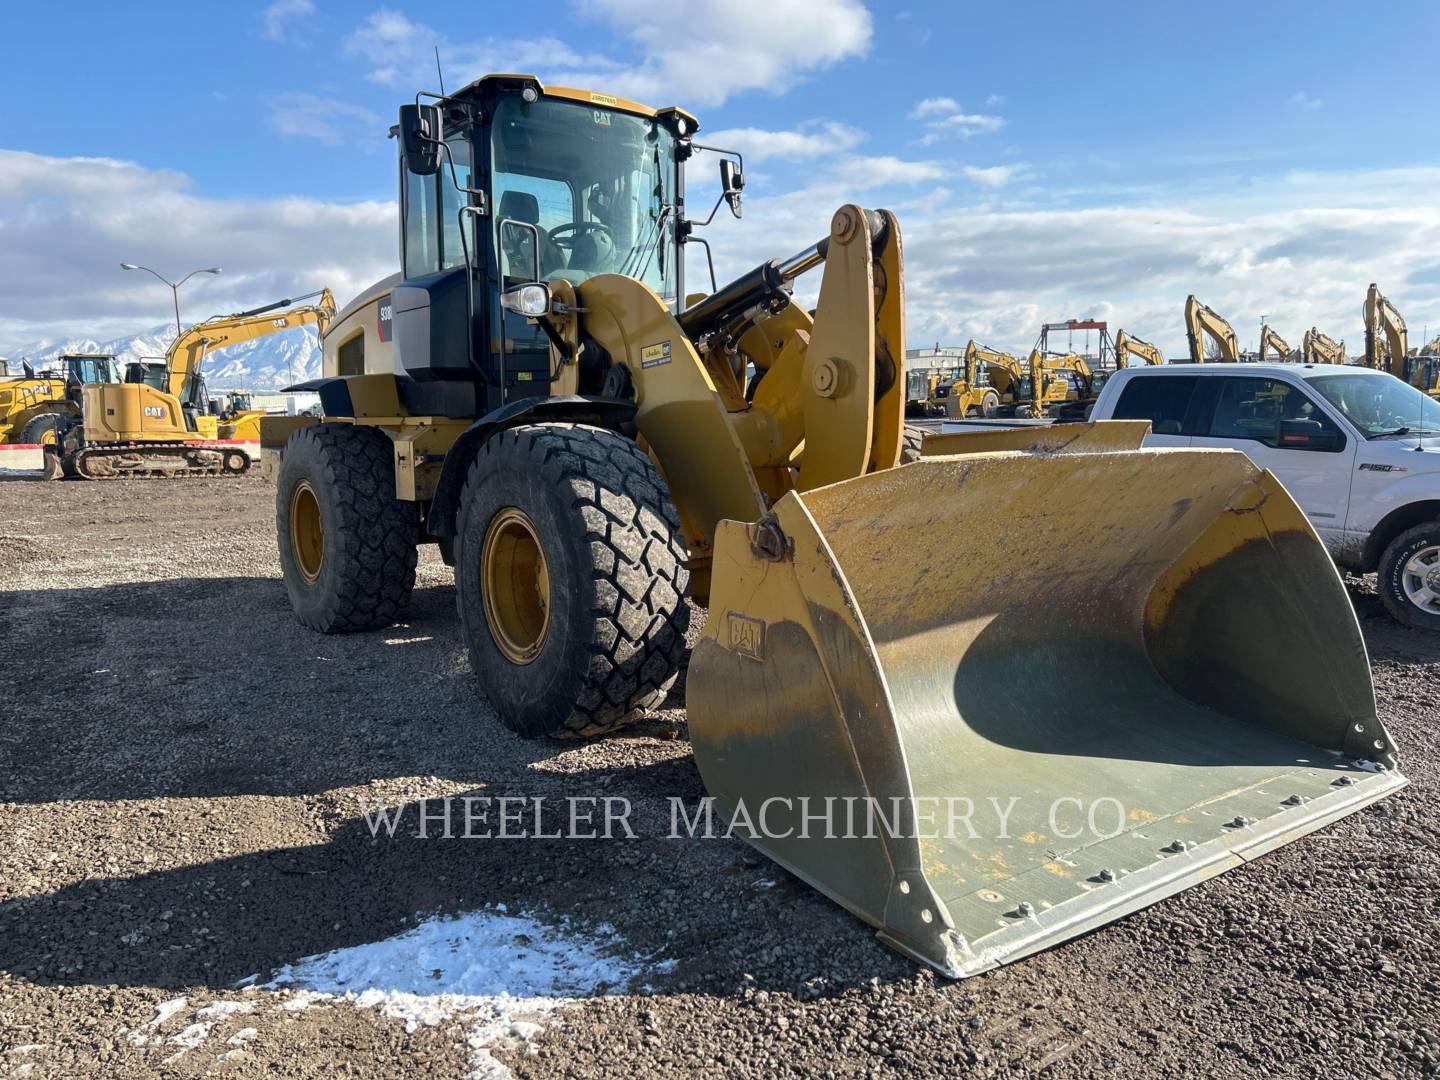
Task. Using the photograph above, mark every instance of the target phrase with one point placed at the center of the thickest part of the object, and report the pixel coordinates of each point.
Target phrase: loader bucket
(990, 702)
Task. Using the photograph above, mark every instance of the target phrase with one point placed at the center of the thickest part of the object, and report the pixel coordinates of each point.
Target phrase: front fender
(572, 408)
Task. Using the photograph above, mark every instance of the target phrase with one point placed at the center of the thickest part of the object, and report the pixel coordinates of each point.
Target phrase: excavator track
(168, 460)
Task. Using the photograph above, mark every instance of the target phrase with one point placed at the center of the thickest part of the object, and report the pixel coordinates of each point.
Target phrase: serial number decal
(746, 635)
(655, 355)
(604, 99)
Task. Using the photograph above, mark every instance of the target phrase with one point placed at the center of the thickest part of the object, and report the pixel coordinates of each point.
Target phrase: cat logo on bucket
(746, 635)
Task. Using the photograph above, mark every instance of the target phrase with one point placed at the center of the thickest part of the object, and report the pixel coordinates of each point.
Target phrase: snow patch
(164, 1011)
(494, 971)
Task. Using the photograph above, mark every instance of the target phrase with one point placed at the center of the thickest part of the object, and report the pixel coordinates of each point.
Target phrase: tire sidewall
(542, 694)
(304, 460)
(1401, 550)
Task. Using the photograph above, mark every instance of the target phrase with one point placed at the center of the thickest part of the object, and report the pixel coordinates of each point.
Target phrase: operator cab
(531, 185)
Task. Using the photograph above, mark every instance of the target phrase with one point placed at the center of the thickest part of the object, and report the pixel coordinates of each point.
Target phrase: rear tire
(989, 404)
(579, 517)
(1409, 576)
(347, 545)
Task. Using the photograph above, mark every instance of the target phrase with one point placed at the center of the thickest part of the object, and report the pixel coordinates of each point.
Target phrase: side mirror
(1307, 435)
(420, 135)
(531, 299)
(732, 183)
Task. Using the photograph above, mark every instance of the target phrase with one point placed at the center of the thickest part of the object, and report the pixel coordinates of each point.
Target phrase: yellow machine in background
(969, 394)
(588, 449)
(1318, 348)
(1271, 342)
(1387, 346)
(135, 429)
(1126, 345)
(1202, 322)
(236, 417)
(33, 406)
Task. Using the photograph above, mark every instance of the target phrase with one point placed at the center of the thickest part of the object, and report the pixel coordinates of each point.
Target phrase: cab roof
(500, 81)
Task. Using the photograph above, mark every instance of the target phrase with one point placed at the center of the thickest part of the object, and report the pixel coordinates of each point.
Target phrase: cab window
(1253, 408)
(1162, 399)
(422, 238)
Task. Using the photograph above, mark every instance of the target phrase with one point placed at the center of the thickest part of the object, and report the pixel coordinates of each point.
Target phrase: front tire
(347, 545)
(1409, 576)
(43, 429)
(570, 579)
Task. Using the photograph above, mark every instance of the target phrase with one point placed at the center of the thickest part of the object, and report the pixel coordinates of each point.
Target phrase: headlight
(532, 301)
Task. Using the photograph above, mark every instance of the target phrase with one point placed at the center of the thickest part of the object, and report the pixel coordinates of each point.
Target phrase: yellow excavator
(1068, 385)
(589, 442)
(1202, 322)
(1320, 348)
(33, 403)
(1271, 342)
(968, 394)
(136, 429)
(1387, 345)
(1127, 345)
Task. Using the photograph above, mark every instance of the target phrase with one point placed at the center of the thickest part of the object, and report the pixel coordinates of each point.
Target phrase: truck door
(1164, 400)
(1281, 428)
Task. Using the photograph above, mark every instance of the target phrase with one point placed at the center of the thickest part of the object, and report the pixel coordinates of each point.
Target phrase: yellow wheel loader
(134, 429)
(35, 406)
(536, 394)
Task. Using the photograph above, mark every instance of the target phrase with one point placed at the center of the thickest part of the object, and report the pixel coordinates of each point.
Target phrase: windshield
(595, 188)
(93, 370)
(1380, 404)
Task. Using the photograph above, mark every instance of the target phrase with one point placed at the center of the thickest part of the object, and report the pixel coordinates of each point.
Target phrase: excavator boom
(1127, 345)
(1202, 322)
(1271, 342)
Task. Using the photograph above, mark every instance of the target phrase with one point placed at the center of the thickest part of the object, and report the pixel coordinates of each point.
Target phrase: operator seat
(517, 245)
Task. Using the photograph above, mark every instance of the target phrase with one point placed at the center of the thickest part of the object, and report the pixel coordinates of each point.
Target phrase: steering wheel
(564, 236)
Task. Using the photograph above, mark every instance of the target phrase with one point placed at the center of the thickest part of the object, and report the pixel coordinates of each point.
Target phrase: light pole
(174, 285)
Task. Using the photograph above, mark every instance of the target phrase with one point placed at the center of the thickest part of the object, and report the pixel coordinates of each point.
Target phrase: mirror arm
(709, 259)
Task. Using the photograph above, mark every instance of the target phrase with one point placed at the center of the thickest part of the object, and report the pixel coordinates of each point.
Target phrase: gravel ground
(183, 769)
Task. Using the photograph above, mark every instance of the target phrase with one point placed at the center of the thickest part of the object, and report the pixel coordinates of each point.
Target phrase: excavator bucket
(990, 701)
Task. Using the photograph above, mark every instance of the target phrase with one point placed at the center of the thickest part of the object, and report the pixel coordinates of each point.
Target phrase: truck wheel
(42, 429)
(910, 444)
(1409, 574)
(570, 578)
(347, 545)
(989, 404)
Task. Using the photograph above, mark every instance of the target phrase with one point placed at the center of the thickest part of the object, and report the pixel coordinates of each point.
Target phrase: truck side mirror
(420, 135)
(732, 183)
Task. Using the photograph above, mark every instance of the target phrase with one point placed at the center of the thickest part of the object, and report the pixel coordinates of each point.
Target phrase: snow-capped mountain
(267, 363)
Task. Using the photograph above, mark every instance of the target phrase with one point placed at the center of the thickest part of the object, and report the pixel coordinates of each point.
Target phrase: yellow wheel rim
(47, 437)
(307, 535)
(515, 585)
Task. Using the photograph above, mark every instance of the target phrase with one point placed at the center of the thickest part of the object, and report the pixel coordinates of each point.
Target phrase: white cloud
(934, 106)
(67, 223)
(944, 118)
(1305, 101)
(326, 120)
(995, 176)
(280, 17)
(817, 141)
(728, 47)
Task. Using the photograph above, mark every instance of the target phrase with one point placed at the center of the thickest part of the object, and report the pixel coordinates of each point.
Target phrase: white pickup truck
(1358, 449)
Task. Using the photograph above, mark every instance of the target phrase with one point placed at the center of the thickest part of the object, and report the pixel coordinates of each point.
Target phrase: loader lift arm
(1202, 322)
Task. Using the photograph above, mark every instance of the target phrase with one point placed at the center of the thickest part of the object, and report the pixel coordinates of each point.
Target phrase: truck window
(1161, 399)
(1252, 408)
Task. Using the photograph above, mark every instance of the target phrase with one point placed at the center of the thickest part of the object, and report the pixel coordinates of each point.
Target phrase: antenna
(438, 73)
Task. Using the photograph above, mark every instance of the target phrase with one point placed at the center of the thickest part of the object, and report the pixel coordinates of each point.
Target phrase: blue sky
(1047, 160)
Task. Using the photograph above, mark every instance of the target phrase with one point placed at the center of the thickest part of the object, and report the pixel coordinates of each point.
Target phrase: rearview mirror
(732, 183)
(1307, 435)
(420, 135)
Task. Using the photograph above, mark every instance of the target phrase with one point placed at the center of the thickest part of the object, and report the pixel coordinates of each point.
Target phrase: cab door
(1280, 427)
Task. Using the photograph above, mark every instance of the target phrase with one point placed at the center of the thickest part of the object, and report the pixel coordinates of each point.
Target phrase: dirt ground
(182, 772)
